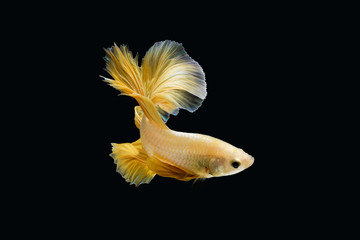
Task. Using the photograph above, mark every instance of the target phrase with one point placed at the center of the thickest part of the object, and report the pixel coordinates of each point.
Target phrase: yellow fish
(168, 80)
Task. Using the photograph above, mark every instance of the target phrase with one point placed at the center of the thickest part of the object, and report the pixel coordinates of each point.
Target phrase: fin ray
(121, 65)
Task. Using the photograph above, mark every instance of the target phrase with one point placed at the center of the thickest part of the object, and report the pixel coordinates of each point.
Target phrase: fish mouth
(248, 162)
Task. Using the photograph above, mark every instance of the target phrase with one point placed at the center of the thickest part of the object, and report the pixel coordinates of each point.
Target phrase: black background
(258, 86)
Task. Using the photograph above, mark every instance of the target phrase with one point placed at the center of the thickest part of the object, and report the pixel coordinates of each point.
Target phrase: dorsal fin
(138, 116)
(149, 109)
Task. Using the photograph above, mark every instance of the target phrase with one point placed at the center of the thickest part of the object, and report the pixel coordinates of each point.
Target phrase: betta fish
(167, 81)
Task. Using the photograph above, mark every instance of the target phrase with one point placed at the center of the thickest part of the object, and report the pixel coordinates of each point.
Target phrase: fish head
(233, 161)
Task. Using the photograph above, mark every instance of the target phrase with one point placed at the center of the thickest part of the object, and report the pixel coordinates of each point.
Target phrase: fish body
(198, 153)
(168, 80)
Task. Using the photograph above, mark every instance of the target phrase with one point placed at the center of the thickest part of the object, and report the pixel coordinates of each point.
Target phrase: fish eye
(235, 164)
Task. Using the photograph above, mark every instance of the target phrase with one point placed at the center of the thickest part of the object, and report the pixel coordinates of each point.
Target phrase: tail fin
(168, 76)
(168, 80)
(173, 79)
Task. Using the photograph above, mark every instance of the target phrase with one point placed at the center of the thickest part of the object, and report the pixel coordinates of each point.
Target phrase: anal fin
(165, 169)
(130, 159)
